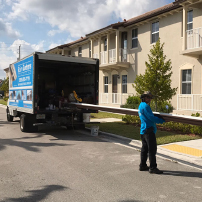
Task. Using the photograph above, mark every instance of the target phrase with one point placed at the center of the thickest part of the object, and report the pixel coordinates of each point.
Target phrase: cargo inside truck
(59, 82)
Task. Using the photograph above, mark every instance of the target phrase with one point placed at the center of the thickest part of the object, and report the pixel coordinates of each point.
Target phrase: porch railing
(194, 38)
(114, 98)
(95, 55)
(103, 57)
(112, 56)
(191, 102)
(124, 54)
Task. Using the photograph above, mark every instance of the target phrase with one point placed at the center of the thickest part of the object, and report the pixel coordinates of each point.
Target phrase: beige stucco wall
(170, 32)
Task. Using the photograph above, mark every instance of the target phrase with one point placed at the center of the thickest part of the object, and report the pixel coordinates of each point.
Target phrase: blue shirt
(147, 118)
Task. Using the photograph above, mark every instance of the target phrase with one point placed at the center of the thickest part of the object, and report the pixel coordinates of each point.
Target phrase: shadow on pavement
(71, 135)
(183, 173)
(2, 123)
(38, 195)
(130, 201)
(30, 146)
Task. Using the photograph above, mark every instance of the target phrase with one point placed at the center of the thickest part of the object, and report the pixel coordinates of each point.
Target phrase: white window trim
(134, 38)
(152, 43)
(90, 51)
(105, 45)
(81, 51)
(106, 84)
(191, 21)
(187, 82)
(124, 84)
(186, 66)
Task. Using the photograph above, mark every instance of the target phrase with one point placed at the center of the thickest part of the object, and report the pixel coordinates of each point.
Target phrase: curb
(136, 144)
(3, 106)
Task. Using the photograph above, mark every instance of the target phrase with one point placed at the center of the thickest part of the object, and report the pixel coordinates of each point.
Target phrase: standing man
(148, 130)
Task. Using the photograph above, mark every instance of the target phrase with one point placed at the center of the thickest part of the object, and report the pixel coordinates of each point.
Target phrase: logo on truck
(21, 83)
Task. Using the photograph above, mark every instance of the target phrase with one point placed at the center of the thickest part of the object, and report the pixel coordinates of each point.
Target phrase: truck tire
(79, 127)
(9, 117)
(26, 123)
(23, 123)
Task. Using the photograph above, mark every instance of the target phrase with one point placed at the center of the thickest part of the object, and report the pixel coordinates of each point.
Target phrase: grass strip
(101, 115)
(133, 132)
(3, 102)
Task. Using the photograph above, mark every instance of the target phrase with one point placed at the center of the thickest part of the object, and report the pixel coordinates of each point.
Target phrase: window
(69, 52)
(90, 50)
(124, 83)
(105, 84)
(189, 20)
(135, 38)
(155, 32)
(105, 44)
(80, 51)
(186, 81)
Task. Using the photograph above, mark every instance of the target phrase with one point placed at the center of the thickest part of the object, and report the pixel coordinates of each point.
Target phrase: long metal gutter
(168, 117)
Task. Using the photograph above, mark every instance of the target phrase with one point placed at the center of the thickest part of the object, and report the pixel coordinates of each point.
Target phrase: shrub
(161, 107)
(196, 115)
(131, 119)
(132, 102)
(5, 98)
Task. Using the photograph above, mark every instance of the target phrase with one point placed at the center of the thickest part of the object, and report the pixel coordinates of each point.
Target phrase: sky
(39, 25)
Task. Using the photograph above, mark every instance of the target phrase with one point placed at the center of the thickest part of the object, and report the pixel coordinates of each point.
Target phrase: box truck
(42, 87)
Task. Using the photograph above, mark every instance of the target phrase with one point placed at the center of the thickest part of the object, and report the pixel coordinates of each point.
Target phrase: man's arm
(149, 114)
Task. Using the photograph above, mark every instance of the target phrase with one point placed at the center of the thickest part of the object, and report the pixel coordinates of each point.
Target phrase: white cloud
(131, 8)
(25, 48)
(53, 45)
(9, 54)
(7, 30)
(80, 17)
(53, 32)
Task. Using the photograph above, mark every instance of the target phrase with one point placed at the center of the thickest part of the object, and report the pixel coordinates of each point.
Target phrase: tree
(5, 86)
(157, 77)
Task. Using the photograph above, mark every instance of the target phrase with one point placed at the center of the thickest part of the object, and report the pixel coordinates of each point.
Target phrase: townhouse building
(123, 48)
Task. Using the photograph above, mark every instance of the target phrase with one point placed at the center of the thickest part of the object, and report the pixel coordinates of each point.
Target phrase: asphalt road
(59, 165)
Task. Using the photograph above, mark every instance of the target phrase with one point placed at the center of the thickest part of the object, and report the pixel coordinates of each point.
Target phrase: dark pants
(148, 146)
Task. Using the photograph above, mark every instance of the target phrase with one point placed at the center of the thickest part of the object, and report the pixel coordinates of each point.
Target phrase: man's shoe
(143, 168)
(155, 171)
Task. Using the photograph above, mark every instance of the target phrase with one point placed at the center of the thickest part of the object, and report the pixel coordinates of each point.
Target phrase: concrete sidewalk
(186, 152)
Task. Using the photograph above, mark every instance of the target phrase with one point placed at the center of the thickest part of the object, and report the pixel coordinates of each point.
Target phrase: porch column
(91, 45)
(117, 46)
(108, 41)
(63, 51)
(99, 46)
(184, 27)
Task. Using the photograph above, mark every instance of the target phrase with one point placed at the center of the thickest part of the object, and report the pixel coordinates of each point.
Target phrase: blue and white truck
(42, 87)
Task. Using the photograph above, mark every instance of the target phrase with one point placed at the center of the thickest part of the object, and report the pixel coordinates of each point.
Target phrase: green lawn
(3, 102)
(133, 132)
(105, 115)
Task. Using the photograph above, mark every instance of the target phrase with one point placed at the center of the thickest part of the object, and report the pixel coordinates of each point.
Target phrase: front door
(114, 88)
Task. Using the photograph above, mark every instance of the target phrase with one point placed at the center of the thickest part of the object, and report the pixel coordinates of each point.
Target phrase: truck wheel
(79, 127)
(26, 123)
(9, 117)
(23, 123)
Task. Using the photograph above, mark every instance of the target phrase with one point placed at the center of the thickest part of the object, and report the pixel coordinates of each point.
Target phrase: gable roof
(126, 23)
(152, 13)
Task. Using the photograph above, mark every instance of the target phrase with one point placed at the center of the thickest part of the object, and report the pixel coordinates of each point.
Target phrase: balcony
(194, 42)
(112, 62)
(191, 102)
(96, 56)
(114, 98)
